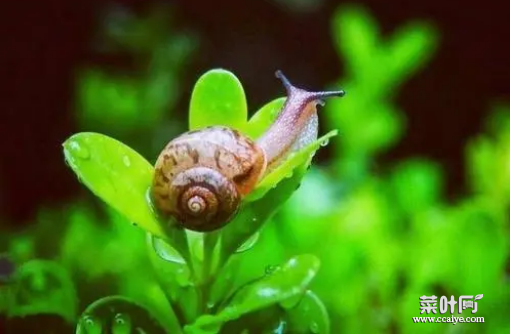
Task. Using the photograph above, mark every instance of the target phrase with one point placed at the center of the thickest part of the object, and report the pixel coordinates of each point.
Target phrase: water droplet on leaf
(126, 161)
(89, 325)
(122, 324)
(249, 243)
(79, 150)
(281, 327)
(119, 320)
(325, 142)
(271, 269)
(314, 328)
(148, 198)
(182, 277)
(165, 251)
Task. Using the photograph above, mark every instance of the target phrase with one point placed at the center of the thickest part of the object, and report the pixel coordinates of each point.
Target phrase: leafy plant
(382, 237)
(190, 277)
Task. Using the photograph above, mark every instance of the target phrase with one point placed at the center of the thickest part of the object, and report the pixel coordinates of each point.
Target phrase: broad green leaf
(41, 286)
(218, 99)
(301, 157)
(308, 316)
(115, 173)
(285, 282)
(264, 117)
(119, 315)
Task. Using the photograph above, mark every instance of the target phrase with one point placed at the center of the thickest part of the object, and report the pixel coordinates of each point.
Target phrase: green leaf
(308, 316)
(267, 198)
(41, 286)
(119, 315)
(299, 158)
(104, 99)
(417, 184)
(121, 178)
(264, 117)
(410, 49)
(287, 281)
(252, 215)
(356, 38)
(115, 173)
(218, 99)
(174, 277)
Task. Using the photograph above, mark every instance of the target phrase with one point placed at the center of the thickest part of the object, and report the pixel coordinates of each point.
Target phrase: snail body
(201, 176)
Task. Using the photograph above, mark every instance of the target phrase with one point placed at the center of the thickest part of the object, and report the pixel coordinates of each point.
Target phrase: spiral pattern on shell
(201, 176)
(202, 198)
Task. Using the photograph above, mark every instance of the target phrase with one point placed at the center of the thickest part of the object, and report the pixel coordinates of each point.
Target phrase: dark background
(43, 42)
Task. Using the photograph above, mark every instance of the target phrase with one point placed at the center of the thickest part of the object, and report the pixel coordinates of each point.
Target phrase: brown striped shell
(201, 176)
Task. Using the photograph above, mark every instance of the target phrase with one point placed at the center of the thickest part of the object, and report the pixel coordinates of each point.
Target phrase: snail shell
(201, 176)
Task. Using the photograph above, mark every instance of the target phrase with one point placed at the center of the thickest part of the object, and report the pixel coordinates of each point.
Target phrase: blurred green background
(410, 199)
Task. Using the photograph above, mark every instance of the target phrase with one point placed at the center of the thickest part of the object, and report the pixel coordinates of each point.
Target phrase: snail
(202, 175)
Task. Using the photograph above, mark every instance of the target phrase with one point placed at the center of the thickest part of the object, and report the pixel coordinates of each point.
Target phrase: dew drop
(148, 198)
(281, 327)
(325, 142)
(314, 328)
(182, 277)
(89, 322)
(126, 161)
(270, 269)
(165, 251)
(119, 320)
(89, 325)
(79, 150)
(249, 243)
(121, 324)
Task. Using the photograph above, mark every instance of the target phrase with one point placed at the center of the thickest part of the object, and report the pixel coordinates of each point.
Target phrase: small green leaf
(41, 286)
(115, 173)
(287, 281)
(118, 315)
(417, 184)
(174, 276)
(253, 215)
(410, 49)
(218, 99)
(299, 158)
(308, 316)
(108, 100)
(356, 38)
(264, 117)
